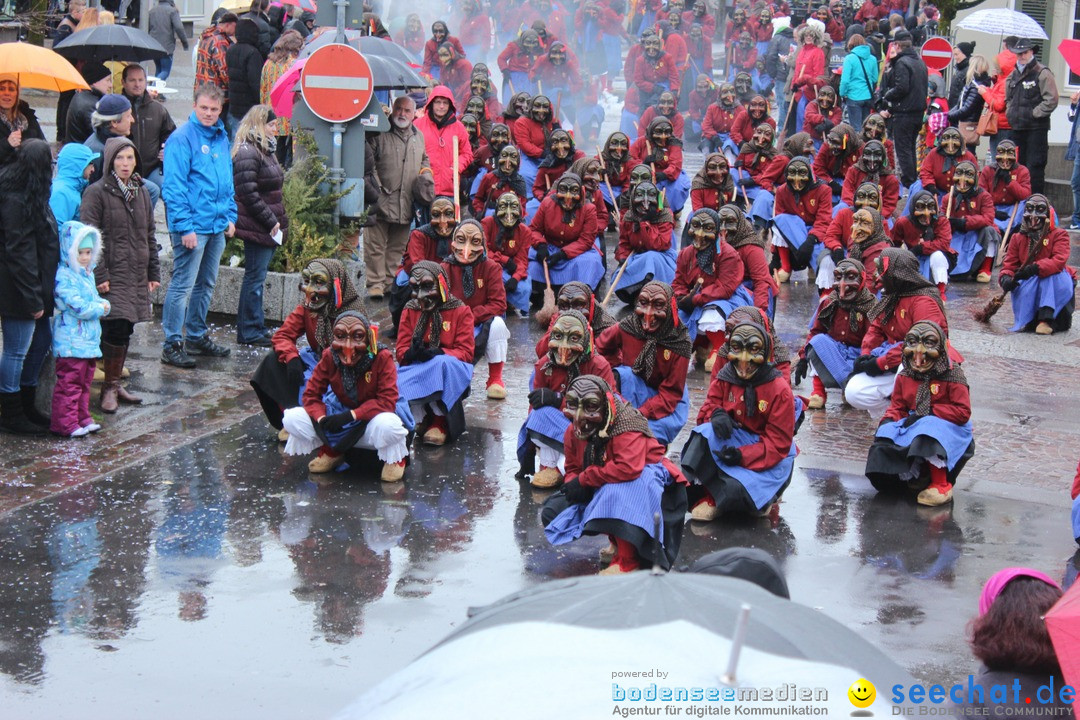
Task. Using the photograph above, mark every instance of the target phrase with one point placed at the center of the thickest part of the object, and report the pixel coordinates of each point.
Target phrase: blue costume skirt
(740, 297)
(1002, 225)
(833, 360)
(795, 231)
(969, 252)
(586, 267)
(723, 143)
(351, 433)
(898, 454)
(528, 169)
(734, 488)
(520, 297)
(643, 267)
(521, 83)
(617, 190)
(636, 392)
(1033, 293)
(675, 191)
(749, 285)
(761, 204)
(628, 124)
(547, 426)
(443, 378)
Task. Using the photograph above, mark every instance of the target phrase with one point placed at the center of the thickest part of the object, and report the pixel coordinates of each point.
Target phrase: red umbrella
(308, 5)
(1063, 623)
(1070, 50)
(282, 95)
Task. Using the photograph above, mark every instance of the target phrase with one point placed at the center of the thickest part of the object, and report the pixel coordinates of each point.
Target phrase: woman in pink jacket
(440, 126)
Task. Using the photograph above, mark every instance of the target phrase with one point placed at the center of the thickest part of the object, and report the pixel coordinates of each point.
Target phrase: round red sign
(937, 53)
(336, 83)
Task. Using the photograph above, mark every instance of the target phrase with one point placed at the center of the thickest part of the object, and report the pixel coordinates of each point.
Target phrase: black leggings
(116, 332)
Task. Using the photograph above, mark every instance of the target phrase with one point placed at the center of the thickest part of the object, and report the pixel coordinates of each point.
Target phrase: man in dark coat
(268, 34)
(78, 126)
(906, 94)
(152, 127)
(1031, 95)
(244, 63)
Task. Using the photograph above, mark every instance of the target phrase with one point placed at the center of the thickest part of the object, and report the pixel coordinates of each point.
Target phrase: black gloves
(334, 423)
(731, 456)
(812, 239)
(554, 258)
(1001, 214)
(650, 159)
(826, 126)
(686, 303)
(958, 224)
(1027, 271)
(544, 397)
(910, 420)
(510, 266)
(837, 187)
(820, 127)
(931, 189)
(511, 285)
(867, 364)
(837, 254)
(801, 368)
(295, 368)
(576, 493)
(542, 250)
(1007, 282)
(722, 424)
(419, 354)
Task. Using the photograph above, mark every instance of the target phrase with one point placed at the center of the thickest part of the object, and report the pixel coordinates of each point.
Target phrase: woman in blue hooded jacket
(858, 80)
(74, 165)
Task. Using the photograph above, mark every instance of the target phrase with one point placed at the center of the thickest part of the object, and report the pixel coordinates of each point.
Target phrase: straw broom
(997, 301)
(1005, 241)
(547, 311)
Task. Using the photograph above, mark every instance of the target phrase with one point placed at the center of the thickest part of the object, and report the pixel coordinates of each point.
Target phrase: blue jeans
(192, 285)
(857, 112)
(1076, 189)
(26, 344)
(250, 321)
(153, 182)
(163, 66)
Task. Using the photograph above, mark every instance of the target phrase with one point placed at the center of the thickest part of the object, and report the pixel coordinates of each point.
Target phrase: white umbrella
(1002, 21)
(545, 670)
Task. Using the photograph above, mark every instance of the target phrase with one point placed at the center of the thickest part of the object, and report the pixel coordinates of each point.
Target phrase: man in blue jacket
(202, 213)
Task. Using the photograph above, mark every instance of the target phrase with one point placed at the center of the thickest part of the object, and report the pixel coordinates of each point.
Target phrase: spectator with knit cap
(961, 55)
(111, 118)
(77, 124)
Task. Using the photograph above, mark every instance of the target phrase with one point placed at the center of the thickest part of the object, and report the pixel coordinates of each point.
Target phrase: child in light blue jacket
(76, 329)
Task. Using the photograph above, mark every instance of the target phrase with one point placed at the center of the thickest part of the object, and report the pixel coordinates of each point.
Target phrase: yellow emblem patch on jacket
(934, 389)
(667, 354)
(367, 378)
(479, 282)
(511, 244)
(762, 405)
(446, 325)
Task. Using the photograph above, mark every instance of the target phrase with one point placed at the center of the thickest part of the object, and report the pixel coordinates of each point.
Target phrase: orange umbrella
(1063, 623)
(39, 68)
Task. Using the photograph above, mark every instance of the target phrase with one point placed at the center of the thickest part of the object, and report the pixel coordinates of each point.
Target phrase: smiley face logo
(862, 693)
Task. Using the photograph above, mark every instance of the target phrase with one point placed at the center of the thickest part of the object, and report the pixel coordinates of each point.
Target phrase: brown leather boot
(110, 352)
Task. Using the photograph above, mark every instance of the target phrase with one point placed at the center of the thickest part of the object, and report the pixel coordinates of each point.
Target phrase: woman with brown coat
(119, 205)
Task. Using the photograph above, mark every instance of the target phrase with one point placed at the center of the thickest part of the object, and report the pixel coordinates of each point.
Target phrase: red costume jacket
(489, 298)
(839, 328)
(978, 211)
(300, 322)
(530, 136)
(675, 46)
(647, 236)
(517, 247)
(574, 238)
(699, 106)
(376, 391)
(554, 377)
(724, 279)
(431, 53)
(1018, 188)
(909, 310)
(556, 79)
(719, 119)
(671, 158)
(950, 401)
(546, 177)
(1051, 256)
(888, 184)
(456, 77)
(839, 236)
(455, 336)
(625, 458)
(757, 272)
(488, 192)
(814, 116)
(835, 30)
(630, 62)
(774, 419)
(761, 32)
(646, 77)
(421, 247)
(476, 30)
(742, 128)
(814, 207)
(603, 215)
(765, 173)
(668, 377)
(824, 161)
(931, 172)
(711, 198)
(743, 59)
(905, 232)
(706, 21)
(677, 122)
(513, 59)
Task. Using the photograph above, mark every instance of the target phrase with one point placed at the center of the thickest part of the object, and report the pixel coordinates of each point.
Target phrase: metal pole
(144, 15)
(340, 5)
(337, 172)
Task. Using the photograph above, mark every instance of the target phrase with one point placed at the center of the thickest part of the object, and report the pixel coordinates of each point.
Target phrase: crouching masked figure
(566, 226)
(974, 235)
(645, 242)
(617, 480)
(435, 350)
(279, 380)
(925, 438)
(743, 450)
(803, 212)
(569, 354)
(508, 241)
(350, 402)
(649, 351)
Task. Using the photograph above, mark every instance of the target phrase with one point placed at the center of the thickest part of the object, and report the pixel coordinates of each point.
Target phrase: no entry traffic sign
(937, 53)
(336, 83)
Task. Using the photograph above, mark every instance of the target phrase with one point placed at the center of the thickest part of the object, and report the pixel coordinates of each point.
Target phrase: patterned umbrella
(1002, 21)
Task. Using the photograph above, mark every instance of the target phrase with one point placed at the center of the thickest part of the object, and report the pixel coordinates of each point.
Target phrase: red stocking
(819, 387)
(716, 339)
(785, 257)
(987, 265)
(939, 479)
(626, 555)
(941, 291)
(495, 374)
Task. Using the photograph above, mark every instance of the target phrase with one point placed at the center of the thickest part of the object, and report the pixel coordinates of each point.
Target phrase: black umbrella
(371, 45)
(390, 65)
(110, 42)
(777, 625)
